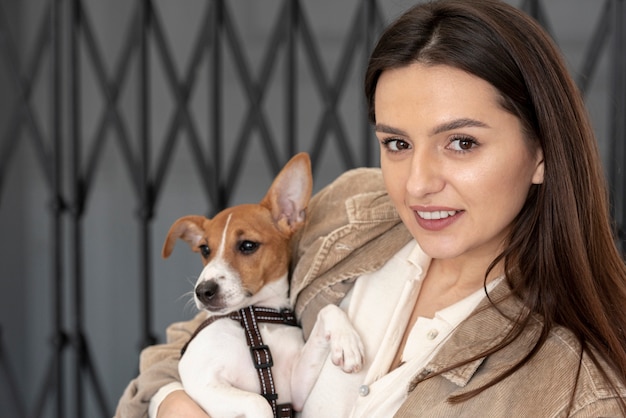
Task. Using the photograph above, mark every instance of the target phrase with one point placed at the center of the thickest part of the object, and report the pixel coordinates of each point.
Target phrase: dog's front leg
(229, 402)
(224, 383)
(332, 334)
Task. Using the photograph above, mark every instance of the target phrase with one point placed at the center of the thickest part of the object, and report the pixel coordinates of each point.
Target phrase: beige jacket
(354, 229)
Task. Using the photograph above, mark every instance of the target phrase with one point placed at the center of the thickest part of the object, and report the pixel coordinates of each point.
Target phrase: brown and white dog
(245, 250)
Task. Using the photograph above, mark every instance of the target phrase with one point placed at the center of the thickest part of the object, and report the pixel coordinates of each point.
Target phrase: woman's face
(455, 163)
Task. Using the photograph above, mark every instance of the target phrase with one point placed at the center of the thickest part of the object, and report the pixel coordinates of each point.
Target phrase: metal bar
(58, 205)
(48, 383)
(595, 48)
(352, 43)
(323, 85)
(216, 117)
(536, 9)
(23, 93)
(84, 369)
(615, 147)
(110, 92)
(11, 381)
(531, 7)
(146, 212)
(617, 122)
(88, 367)
(253, 93)
(21, 109)
(181, 117)
(350, 47)
(329, 119)
(291, 68)
(375, 24)
(78, 204)
(259, 89)
(543, 18)
(368, 40)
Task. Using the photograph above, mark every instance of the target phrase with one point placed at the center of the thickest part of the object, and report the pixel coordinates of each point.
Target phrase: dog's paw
(346, 350)
(346, 347)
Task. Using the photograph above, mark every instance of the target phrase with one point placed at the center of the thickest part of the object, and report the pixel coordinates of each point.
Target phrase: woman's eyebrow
(458, 123)
(444, 127)
(386, 129)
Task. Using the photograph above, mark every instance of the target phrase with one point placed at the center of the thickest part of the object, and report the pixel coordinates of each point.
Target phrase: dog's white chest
(219, 356)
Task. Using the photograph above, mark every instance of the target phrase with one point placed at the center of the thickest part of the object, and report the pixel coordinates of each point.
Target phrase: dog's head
(246, 248)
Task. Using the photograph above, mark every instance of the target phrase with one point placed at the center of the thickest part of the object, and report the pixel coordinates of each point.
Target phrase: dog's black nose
(205, 291)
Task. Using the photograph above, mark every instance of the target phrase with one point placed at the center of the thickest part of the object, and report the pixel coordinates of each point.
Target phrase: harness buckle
(270, 396)
(261, 356)
(288, 317)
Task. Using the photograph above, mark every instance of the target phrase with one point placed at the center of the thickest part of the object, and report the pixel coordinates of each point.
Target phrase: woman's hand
(179, 404)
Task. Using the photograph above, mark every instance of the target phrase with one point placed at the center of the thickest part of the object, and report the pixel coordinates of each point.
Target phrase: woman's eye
(395, 145)
(462, 144)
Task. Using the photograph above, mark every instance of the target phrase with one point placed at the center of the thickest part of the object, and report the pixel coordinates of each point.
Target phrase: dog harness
(249, 317)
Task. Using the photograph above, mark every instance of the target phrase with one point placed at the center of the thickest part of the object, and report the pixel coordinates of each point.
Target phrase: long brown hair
(561, 259)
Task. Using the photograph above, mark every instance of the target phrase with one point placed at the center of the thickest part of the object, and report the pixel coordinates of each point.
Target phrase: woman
(501, 291)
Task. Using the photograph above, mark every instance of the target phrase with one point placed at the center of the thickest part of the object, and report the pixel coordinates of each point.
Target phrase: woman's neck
(461, 276)
(445, 284)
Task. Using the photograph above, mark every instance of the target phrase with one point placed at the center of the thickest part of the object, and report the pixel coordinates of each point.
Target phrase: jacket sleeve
(158, 366)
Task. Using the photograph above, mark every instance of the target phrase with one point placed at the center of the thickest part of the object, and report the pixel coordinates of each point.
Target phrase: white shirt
(379, 306)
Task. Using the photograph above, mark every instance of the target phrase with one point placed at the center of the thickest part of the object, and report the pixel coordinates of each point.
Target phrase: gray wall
(110, 225)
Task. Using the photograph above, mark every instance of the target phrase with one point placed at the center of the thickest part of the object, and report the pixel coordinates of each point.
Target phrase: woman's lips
(436, 219)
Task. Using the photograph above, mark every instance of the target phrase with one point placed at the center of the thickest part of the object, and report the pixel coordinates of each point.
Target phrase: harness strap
(249, 317)
(269, 315)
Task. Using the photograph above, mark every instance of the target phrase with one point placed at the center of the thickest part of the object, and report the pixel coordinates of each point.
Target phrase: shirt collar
(418, 258)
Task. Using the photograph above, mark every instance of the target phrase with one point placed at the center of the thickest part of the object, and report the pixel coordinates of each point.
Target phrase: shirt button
(432, 334)
(364, 390)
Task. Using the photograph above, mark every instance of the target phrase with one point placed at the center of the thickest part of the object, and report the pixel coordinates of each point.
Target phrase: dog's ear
(188, 228)
(289, 195)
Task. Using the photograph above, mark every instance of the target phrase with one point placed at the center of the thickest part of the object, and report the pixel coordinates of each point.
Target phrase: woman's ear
(539, 169)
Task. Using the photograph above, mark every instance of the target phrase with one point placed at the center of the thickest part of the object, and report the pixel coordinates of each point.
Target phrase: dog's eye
(248, 247)
(204, 250)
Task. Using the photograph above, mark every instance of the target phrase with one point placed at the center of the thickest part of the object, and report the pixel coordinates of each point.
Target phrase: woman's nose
(426, 176)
